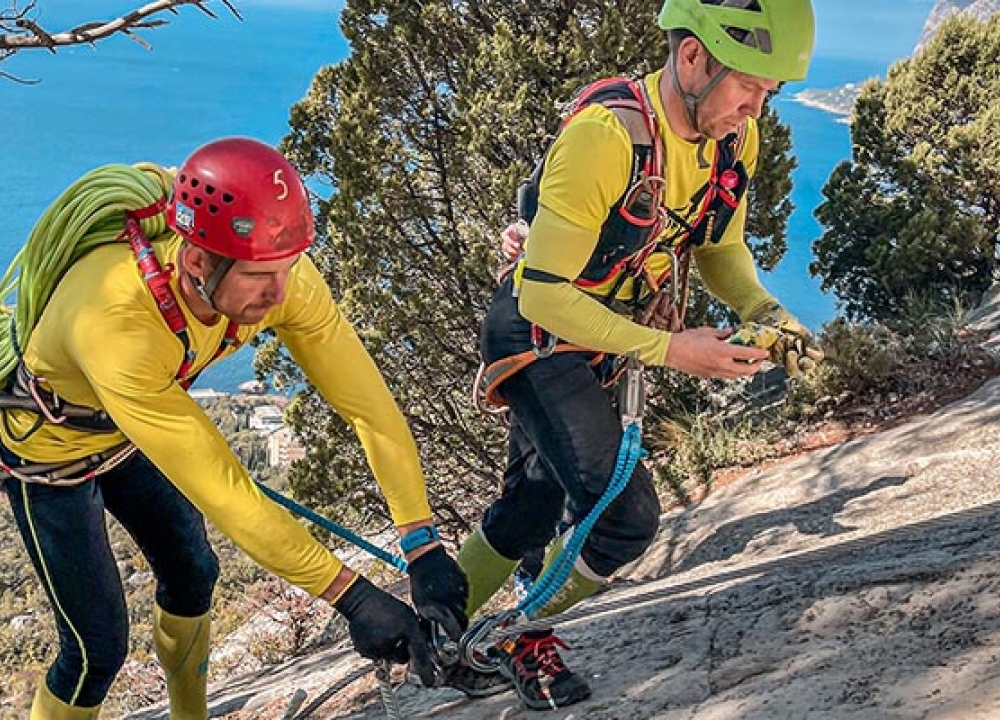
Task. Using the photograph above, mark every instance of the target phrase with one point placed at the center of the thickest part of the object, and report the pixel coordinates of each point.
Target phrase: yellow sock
(182, 647)
(581, 583)
(485, 568)
(47, 706)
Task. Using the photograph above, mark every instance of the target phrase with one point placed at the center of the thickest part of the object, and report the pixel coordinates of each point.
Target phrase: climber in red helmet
(213, 258)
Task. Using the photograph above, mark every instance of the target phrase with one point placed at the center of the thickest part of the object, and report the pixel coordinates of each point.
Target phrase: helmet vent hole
(201, 233)
(213, 209)
(210, 189)
(194, 182)
(184, 195)
(198, 202)
(227, 198)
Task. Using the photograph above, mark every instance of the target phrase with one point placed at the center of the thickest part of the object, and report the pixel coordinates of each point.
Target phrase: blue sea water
(204, 78)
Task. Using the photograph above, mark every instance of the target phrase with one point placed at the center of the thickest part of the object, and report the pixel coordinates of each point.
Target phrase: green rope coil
(89, 213)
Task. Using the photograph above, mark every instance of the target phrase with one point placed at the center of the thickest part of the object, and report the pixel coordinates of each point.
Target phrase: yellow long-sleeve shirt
(586, 172)
(102, 342)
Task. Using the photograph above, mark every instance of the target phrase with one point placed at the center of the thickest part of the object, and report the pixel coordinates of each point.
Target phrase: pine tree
(915, 209)
(421, 137)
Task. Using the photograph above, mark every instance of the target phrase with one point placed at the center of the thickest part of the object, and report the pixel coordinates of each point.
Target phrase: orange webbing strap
(486, 390)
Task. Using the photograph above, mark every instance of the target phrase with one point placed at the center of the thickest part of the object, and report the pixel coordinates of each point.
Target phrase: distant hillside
(840, 101)
(981, 9)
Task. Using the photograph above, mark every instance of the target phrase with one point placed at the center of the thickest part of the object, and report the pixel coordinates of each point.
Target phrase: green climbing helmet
(777, 35)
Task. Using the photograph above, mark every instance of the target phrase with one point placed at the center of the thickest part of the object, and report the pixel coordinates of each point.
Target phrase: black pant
(64, 531)
(564, 441)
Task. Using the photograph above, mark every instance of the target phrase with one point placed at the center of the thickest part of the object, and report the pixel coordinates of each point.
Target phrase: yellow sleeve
(139, 392)
(327, 348)
(556, 246)
(587, 169)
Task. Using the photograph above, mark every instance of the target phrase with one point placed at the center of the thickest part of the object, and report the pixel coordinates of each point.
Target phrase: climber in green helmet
(770, 40)
(643, 177)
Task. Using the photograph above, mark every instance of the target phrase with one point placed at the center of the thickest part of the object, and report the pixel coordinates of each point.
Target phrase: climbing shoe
(454, 671)
(472, 682)
(541, 679)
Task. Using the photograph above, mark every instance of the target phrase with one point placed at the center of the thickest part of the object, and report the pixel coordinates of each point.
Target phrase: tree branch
(20, 31)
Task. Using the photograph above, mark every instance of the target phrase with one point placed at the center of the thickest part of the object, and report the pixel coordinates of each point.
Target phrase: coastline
(838, 101)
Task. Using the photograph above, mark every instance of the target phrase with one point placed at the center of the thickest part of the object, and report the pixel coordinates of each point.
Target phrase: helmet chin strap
(693, 101)
(207, 288)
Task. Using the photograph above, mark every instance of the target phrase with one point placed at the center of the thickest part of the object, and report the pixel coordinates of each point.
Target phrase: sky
(869, 29)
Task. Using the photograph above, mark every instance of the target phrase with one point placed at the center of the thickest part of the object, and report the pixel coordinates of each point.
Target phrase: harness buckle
(641, 204)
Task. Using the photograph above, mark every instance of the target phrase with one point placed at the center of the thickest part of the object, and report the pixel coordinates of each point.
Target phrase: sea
(201, 78)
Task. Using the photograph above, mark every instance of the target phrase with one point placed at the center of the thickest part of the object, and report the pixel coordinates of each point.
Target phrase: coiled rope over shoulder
(89, 213)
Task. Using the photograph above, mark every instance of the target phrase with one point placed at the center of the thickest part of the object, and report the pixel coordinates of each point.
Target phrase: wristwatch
(418, 538)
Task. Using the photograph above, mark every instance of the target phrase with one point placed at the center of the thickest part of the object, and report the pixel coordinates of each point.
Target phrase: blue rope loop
(338, 530)
(630, 452)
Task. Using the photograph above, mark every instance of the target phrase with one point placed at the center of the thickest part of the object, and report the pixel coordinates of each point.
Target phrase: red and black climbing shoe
(541, 679)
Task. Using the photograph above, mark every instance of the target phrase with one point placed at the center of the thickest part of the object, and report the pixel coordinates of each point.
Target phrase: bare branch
(20, 31)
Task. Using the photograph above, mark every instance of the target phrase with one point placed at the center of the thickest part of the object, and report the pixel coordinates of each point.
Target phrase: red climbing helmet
(241, 199)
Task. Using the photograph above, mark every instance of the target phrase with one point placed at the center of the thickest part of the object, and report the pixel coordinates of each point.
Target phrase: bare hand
(704, 352)
(512, 240)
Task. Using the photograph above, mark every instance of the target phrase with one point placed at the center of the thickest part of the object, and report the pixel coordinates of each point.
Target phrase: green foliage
(422, 136)
(696, 445)
(859, 358)
(770, 192)
(917, 207)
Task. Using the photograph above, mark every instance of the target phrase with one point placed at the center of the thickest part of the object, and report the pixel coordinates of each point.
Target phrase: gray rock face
(944, 9)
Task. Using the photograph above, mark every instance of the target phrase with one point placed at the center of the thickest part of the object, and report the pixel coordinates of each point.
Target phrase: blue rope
(629, 453)
(338, 530)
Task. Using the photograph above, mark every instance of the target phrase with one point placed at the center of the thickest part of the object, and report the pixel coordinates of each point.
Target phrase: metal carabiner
(632, 393)
(476, 634)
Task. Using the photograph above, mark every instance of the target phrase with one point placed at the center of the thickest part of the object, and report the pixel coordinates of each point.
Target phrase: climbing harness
(72, 473)
(636, 227)
(486, 387)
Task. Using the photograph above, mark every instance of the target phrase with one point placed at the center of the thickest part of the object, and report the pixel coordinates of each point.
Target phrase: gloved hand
(384, 628)
(794, 347)
(439, 590)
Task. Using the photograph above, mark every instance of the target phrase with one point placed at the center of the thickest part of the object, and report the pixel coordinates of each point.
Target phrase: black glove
(440, 590)
(384, 628)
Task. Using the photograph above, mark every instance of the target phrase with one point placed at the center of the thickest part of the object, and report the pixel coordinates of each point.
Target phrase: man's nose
(754, 106)
(276, 291)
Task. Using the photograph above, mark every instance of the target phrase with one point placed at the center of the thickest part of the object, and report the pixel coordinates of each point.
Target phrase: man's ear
(194, 261)
(689, 50)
